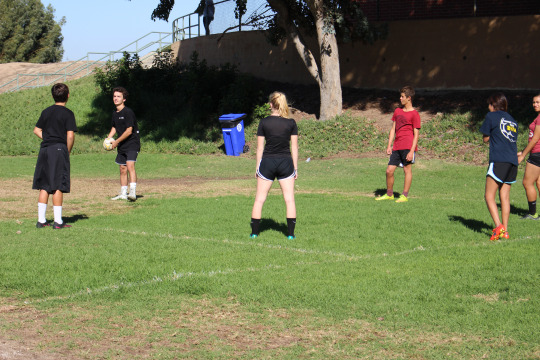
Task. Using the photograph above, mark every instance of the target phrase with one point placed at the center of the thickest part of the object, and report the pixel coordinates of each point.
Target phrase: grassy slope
(451, 135)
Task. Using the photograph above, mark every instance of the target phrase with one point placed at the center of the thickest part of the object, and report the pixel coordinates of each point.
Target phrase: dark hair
(60, 92)
(408, 91)
(122, 90)
(498, 101)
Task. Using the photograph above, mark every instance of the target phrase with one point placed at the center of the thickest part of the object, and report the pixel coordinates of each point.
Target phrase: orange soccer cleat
(498, 232)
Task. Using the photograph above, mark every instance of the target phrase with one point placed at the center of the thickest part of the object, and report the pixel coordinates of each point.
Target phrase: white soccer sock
(123, 190)
(58, 214)
(42, 210)
(132, 186)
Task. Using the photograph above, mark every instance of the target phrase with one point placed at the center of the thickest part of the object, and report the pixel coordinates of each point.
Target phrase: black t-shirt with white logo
(55, 121)
(121, 120)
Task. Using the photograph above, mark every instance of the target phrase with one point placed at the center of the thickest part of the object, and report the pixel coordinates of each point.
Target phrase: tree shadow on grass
(270, 224)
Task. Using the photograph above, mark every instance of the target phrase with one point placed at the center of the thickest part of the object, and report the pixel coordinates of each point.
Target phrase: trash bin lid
(231, 117)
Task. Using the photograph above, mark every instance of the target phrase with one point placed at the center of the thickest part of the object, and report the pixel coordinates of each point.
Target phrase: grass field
(175, 274)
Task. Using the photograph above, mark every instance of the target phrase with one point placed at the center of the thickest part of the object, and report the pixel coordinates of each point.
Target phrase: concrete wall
(432, 54)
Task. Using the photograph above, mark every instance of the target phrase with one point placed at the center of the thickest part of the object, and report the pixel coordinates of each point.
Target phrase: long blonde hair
(279, 102)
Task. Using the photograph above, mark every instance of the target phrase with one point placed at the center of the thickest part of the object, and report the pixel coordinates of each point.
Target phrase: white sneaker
(120, 197)
(132, 196)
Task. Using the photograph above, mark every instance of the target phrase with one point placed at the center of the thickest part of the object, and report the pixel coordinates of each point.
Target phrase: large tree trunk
(330, 84)
(327, 74)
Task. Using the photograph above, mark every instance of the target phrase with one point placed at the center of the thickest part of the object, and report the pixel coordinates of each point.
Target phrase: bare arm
(294, 153)
(112, 132)
(70, 140)
(391, 138)
(530, 145)
(410, 155)
(38, 132)
(486, 138)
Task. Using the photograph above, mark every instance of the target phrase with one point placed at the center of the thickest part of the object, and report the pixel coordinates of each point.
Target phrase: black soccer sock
(291, 223)
(532, 207)
(255, 226)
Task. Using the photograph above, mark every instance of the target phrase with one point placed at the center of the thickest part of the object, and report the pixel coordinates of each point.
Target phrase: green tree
(327, 21)
(29, 33)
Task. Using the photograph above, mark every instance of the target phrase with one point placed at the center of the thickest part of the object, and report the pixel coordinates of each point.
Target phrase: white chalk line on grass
(340, 257)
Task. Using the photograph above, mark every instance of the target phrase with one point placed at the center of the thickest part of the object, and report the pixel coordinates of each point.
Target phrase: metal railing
(189, 26)
(85, 65)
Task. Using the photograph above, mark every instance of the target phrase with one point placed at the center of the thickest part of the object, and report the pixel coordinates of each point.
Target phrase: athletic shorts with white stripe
(272, 168)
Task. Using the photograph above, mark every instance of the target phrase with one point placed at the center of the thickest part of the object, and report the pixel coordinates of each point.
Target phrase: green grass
(363, 279)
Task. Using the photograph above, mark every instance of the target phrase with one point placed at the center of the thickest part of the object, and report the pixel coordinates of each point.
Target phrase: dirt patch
(91, 197)
(193, 327)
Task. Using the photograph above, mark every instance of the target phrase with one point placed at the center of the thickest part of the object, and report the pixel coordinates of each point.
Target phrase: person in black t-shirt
(56, 127)
(277, 157)
(128, 144)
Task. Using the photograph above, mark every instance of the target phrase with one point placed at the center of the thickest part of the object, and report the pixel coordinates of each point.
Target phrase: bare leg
(504, 196)
(390, 177)
(263, 187)
(287, 187)
(123, 175)
(408, 178)
(131, 170)
(491, 190)
(58, 198)
(43, 197)
(531, 177)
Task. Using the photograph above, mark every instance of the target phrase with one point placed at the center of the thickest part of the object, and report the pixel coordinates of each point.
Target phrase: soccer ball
(107, 143)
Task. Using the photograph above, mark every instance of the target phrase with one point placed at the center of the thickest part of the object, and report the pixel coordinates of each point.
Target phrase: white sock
(58, 214)
(42, 210)
(123, 190)
(132, 186)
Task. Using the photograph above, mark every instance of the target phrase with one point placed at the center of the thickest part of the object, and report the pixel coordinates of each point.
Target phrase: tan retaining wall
(476, 53)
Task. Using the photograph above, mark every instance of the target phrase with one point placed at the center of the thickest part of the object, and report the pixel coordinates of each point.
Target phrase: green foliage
(28, 32)
(344, 134)
(173, 100)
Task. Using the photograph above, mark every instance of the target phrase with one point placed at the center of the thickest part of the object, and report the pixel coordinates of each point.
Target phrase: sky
(108, 25)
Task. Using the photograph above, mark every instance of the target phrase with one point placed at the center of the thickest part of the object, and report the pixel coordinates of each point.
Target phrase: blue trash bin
(232, 126)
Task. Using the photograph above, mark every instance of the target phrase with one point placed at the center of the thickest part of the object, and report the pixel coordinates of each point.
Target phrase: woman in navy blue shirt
(500, 130)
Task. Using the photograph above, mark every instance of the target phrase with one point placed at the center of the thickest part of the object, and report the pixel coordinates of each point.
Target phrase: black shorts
(399, 158)
(534, 159)
(503, 172)
(272, 168)
(123, 157)
(52, 169)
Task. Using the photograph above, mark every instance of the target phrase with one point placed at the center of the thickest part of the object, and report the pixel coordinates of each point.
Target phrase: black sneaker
(42, 225)
(60, 226)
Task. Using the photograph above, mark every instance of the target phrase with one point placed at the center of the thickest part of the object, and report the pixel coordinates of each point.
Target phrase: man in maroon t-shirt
(405, 130)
